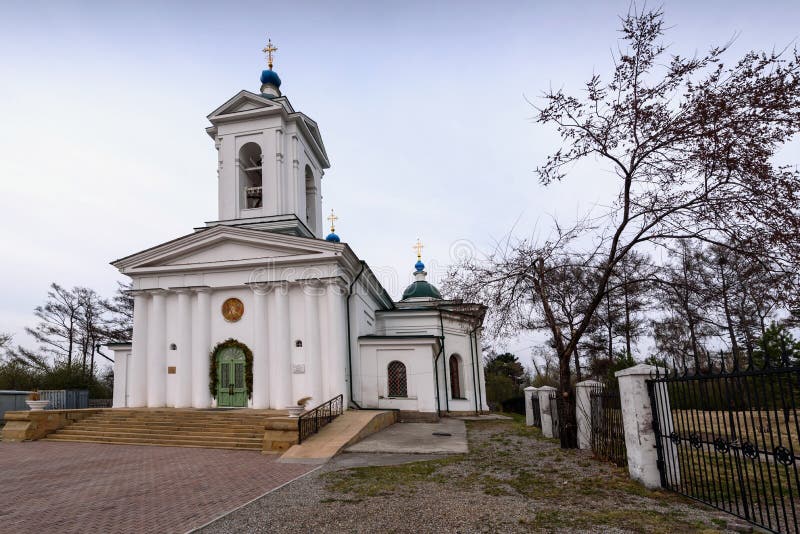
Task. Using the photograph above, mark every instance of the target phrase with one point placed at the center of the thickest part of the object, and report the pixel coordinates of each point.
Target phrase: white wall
(456, 341)
(416, 355)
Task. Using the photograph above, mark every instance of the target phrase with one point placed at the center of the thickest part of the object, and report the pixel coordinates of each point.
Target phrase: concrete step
(227, 430)
(246, 420)
(170, 426)
(149, 434)
(282, 423)
(164, 443)
(188, 428)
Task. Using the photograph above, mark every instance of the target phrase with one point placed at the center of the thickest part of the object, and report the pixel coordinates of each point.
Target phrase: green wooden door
(231, 387)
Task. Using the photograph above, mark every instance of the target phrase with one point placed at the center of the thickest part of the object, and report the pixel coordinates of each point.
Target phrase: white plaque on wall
(299, 368)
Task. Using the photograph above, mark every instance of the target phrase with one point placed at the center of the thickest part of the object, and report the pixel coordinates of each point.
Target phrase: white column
(183, 399)
(544, 407)
(284, 344)
(583, 411)
(311, 298)
(637, 419)
(121, 364)
(280, 369)
(337, 364)
(138, 367)
(157, 351)
(530, 391)
(260, 348)
(481, 374)
(201, 345)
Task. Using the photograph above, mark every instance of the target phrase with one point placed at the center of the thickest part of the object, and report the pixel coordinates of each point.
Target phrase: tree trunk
(726, 308)
(609, 328)
(627, 316)
(565, 397)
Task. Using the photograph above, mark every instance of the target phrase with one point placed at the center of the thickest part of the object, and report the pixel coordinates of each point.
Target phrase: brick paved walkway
(77, 487)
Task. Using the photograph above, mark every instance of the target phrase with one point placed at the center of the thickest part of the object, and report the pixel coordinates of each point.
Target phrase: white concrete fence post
(544, 409)
(583, 411)
(530, 391)
(637, 418)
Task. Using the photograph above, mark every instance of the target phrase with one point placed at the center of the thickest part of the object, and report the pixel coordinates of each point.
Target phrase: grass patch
(506, 460)
(387, 480)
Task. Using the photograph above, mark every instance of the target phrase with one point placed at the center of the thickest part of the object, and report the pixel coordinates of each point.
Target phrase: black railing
(729, 436)
(608, 433)
(554, 415)
(537, 411)
(311, 421)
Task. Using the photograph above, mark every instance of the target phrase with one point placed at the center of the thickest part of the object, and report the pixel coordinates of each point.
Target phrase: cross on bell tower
(269, 49)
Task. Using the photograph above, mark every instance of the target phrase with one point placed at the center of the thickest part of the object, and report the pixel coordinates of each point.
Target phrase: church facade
(258, 309)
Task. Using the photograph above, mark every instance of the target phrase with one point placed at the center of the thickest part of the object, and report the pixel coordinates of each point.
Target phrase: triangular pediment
(228, 246)
(243, 102)
(228, 250)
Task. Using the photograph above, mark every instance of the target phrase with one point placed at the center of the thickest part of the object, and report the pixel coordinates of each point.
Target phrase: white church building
(260, 309)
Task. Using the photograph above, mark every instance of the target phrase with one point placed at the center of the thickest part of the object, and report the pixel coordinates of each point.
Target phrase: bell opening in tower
(250, 165)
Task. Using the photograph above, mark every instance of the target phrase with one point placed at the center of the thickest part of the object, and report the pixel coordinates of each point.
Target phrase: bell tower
(271, 160)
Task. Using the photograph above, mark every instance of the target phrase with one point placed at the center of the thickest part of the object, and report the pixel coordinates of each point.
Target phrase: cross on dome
(333, 218)
(419, 266)
(269, 49)
(332, 237)
(418, 247)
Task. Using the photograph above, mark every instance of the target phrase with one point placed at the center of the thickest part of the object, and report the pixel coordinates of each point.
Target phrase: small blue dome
(419, 266)
(270, 76)
(333, 238)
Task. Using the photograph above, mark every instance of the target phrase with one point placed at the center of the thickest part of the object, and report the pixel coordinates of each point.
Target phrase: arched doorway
(231, 365)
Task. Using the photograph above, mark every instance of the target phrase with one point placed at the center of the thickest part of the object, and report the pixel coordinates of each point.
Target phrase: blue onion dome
(271, 77)
(419, 266)
(333, 238)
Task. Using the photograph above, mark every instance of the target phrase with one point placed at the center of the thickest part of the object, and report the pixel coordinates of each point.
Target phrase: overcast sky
(423, 107)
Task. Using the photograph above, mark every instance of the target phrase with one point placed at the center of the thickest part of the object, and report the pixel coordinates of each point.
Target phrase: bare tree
(690, 141)
(56, 331)
(119, 314)
(5, 340)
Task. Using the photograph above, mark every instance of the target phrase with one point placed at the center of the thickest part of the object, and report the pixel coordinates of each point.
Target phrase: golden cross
(418, 247)
(269, 49)
(332, 218)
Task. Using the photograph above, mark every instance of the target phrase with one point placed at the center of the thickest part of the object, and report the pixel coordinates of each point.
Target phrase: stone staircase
(217, 429)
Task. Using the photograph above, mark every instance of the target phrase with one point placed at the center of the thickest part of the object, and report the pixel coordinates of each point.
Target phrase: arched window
(250, 175)
(398, 384)
(455, 378)
(311, 200)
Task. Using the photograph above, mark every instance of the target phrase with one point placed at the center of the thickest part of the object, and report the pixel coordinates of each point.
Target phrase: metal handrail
(312, 421)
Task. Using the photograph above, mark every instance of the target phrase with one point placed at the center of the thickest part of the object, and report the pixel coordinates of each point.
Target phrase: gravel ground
(512, 480)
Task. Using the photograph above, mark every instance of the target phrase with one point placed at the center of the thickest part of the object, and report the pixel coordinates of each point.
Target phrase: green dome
(421, 289)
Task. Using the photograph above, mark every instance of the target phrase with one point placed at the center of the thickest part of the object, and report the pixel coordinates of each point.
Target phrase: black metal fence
(554, 414)
(608, 432)
(537, 412)
(727, 435)
(311, 421)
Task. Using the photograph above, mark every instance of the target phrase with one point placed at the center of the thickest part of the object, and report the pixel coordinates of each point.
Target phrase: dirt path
(512, 480)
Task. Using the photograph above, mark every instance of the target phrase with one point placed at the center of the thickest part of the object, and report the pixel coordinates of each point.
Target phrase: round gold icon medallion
(232, 310)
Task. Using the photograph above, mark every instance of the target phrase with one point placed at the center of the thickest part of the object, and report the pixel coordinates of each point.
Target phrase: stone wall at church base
(33, 425)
